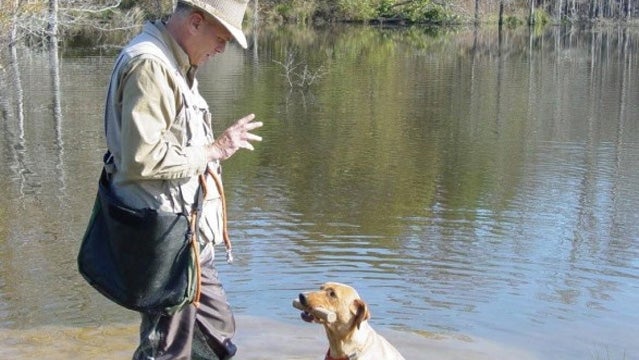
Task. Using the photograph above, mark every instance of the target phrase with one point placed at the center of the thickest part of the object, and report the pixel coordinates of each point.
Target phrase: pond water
(480, 190)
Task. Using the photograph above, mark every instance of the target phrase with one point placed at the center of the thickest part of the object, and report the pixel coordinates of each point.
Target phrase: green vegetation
(540, 17)
(113, 21)
(416, 11)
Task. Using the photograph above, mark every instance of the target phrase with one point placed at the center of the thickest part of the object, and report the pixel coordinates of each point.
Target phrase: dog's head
(343, 300)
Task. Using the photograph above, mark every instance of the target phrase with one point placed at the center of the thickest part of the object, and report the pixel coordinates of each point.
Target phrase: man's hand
(236, 137)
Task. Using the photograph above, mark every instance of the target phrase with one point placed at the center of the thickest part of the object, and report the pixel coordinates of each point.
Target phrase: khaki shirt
(157, 128)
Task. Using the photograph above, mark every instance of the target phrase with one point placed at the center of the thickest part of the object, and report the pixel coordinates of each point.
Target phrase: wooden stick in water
(321, 313)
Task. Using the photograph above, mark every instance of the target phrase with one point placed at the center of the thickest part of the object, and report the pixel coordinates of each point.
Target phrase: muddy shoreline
(257, 339)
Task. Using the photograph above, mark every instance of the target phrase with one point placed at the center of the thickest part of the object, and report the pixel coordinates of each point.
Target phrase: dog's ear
(361, 312)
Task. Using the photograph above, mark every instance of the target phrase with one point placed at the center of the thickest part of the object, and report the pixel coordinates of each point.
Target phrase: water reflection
(16, 135)
(54, 69)
(470, 184)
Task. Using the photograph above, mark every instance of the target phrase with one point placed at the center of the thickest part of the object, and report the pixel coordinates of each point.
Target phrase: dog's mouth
(307, 311)
(308, 317)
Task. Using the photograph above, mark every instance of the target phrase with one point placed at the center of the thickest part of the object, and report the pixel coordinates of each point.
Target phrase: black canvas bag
(141, 259)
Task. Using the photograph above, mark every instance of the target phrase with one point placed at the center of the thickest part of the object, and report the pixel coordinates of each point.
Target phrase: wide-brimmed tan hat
(230, 13)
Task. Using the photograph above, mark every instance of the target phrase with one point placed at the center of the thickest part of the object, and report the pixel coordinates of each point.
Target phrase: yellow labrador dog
(350, 336)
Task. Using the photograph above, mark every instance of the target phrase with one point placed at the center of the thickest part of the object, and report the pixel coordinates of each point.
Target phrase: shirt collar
(179, 54)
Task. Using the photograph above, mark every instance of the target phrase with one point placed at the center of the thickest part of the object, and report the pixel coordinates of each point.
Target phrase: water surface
(480, 191)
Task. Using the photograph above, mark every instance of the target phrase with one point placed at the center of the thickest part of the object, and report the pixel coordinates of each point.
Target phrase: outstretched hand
(235, 137)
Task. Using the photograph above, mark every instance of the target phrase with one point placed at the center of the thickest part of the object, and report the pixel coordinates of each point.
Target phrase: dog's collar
(349, 357)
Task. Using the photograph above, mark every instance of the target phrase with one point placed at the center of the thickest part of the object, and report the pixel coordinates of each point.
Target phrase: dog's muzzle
(305, 315)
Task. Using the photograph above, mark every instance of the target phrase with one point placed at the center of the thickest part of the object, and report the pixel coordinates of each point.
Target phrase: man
(158, 131)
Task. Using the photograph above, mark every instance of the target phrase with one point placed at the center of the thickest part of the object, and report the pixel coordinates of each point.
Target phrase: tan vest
(191, 127)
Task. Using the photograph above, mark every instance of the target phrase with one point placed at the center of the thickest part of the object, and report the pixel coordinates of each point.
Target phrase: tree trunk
(256, 12)
(13, 33)
(531, 19)
(559, 10)
(52, 24)
(476, 12)
(501, 13)
(593, 9)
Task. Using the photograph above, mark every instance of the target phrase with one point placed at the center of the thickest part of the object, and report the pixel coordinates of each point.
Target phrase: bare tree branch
(92, 11)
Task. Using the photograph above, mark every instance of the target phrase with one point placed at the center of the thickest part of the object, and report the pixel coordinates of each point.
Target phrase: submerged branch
(303, 79)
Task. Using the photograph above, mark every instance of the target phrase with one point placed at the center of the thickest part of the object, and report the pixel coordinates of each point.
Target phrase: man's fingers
(253, 137)
(238, 136)
(246, 119)
(247, 145)
(253, 125)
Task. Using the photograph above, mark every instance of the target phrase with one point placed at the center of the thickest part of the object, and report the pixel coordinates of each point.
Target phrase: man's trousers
(202, 332)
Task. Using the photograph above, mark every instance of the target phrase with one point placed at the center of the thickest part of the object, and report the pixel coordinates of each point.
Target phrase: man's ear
(195, 20)
(361, 312)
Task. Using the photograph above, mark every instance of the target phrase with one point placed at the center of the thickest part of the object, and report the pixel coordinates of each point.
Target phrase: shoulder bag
(142, 259)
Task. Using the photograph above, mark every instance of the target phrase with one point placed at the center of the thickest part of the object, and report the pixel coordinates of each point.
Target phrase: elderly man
(158, 132)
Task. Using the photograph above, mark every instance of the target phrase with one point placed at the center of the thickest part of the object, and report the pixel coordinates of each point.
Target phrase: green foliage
(283, 9)
(360, 10)
(299, 11)
(5, 24)
(418, 11)
(434, 13)
(539, 18)
(512, 21)
(385, 8)
(152, 9)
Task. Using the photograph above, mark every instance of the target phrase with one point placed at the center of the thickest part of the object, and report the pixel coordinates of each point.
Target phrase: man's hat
(230, 13)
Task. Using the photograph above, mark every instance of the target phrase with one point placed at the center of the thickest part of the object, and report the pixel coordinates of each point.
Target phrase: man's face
(211, 39)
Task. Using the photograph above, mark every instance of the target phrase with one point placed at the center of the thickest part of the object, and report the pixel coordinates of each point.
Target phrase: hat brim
(237, 34)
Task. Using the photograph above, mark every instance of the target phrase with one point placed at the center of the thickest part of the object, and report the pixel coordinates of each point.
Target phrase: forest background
(107, 22)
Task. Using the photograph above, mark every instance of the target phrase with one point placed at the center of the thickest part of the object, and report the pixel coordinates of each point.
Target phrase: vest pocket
(210, 225)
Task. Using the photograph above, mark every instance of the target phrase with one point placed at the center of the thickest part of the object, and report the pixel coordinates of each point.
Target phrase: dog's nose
(303, 299)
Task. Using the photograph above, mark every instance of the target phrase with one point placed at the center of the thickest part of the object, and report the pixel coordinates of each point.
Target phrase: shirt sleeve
(150, 102)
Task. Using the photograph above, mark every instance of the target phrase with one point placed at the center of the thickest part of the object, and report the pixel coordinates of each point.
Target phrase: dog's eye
(332, 293)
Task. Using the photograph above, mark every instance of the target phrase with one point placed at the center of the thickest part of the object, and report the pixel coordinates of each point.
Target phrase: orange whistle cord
(193, 224)
(196, 251)
(220, 189)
